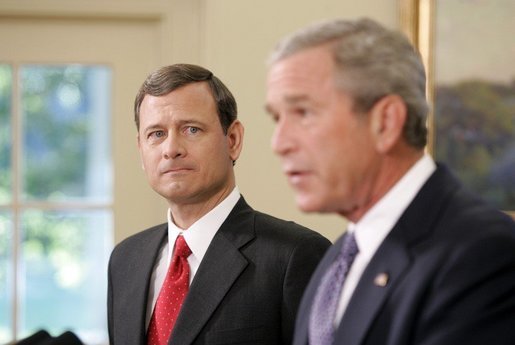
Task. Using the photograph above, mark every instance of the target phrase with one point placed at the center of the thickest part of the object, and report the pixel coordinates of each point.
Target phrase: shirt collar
(199, 235)
(381, 218)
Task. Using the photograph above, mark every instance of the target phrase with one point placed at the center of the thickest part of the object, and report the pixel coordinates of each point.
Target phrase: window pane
(5, 133)
(6, 276)
(66, 126)
(64, 256)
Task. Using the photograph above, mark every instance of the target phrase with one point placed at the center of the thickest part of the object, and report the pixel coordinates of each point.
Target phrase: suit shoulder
(139, 241)
(453, 210)
(464, 226)
(287, 230)
(472, 216)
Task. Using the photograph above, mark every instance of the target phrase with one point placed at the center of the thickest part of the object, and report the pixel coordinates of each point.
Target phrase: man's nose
(173, 147)
(282, 137)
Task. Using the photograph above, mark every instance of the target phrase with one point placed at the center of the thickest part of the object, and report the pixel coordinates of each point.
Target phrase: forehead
(309, 68)
(194, 99)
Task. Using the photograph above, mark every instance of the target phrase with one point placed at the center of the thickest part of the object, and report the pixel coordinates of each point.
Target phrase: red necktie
(171, 296)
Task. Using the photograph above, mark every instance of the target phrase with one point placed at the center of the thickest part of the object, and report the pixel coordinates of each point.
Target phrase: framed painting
(469, 52)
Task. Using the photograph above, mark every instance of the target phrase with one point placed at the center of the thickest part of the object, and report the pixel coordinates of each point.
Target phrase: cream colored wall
(232, 38)
(237, 36)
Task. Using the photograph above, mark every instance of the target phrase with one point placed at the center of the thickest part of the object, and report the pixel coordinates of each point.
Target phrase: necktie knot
(181, 248)
(349, 249)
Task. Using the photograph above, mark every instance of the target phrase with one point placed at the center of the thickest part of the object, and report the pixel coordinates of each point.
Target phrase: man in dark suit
(236, 275)
(423, 261)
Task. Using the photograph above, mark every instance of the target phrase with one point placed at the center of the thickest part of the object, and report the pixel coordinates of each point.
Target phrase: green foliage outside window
(63, 119)
(56, 132)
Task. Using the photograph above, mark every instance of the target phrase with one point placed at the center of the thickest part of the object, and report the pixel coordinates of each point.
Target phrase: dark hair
(169, 78)
(371, 62)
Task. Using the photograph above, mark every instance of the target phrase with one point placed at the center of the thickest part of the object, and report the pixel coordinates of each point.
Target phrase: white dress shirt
(198, 237)
(374, 226)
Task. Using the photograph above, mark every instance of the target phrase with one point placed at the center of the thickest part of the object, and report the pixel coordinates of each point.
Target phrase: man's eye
(156, 134)
(193, 130)
(301, 111)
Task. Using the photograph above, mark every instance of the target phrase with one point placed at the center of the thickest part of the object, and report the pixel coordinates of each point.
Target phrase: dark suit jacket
(451, 265)
(246, 291)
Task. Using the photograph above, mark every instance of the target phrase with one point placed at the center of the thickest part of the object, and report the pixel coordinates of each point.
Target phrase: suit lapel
(304, 312)
(220, 268)
(392, 259)
(380, 276)
(141, 267)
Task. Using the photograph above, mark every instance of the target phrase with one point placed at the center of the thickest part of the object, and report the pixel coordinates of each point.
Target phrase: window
(56, 199)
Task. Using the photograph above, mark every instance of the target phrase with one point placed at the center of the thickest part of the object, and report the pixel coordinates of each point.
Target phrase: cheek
(338, 162)
(334, 177)
(150, 162)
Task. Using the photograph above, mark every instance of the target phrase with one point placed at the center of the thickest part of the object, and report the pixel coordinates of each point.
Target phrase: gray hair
(371, 62)
(169, 78)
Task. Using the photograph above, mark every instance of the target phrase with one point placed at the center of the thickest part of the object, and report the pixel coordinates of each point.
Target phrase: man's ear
(235, 139)
(387, 119)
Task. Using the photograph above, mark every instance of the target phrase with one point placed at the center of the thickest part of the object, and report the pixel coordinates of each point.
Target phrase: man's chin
(174, 193)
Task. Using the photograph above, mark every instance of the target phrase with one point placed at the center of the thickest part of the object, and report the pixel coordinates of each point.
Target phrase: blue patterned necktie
(323, 311)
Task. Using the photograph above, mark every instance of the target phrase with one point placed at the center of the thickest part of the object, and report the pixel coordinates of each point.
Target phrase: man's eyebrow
(151, 127)
(296, 98)
(290, 99)
(183, 122)
(268, 108)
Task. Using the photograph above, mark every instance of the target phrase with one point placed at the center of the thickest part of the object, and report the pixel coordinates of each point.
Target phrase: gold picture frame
(418, 21)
